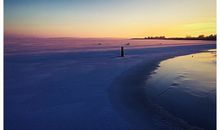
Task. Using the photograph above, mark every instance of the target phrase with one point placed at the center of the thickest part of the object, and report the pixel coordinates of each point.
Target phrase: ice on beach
(56, 91)
(15, 45)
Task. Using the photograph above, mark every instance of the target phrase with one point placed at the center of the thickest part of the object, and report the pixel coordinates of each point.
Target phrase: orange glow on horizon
(170, 19)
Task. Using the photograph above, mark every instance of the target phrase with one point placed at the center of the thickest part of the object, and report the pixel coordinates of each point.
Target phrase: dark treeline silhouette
(150, 37)
(200, 37)
(157, 37)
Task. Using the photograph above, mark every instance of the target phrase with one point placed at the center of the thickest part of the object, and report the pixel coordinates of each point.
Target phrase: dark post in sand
(122, 51)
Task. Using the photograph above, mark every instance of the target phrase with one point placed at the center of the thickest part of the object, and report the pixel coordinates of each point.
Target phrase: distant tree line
(200, 37)
(157, 37)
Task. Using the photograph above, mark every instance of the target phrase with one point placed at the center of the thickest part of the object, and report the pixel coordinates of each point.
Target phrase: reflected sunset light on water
(189, 83)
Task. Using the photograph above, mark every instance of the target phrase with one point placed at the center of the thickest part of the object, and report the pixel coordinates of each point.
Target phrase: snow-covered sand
(86, 90)
(15, 45)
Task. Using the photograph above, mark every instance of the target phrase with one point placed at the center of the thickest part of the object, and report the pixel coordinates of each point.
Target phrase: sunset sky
(109, 18)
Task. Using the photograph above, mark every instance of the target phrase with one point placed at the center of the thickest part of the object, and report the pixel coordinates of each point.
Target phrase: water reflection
(186, 87)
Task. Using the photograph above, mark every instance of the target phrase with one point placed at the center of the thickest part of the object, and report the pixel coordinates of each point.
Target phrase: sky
(109, 18)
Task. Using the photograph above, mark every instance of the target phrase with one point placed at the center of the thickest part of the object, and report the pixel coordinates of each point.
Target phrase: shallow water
(185, 86)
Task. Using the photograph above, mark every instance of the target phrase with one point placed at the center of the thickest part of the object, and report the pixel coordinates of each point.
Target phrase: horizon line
(106, 37)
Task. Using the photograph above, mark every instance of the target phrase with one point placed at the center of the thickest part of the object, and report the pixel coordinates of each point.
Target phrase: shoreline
(128, 97)
(95, 90)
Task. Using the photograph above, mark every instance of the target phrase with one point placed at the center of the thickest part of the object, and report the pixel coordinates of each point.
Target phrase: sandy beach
(87, 90)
